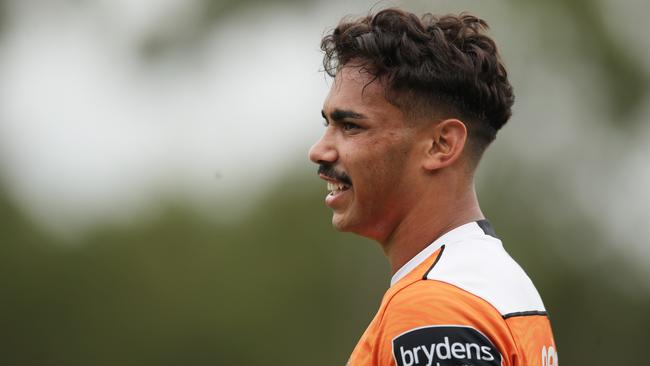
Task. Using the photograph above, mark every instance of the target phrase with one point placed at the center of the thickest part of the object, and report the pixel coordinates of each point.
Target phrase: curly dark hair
(430, 65)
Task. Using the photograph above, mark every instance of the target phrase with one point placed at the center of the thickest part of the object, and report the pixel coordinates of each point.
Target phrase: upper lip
(332, 180)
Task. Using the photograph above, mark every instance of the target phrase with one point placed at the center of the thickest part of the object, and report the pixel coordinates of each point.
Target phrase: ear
(445, 144)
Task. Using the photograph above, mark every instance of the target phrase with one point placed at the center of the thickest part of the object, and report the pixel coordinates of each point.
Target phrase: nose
(323, 151)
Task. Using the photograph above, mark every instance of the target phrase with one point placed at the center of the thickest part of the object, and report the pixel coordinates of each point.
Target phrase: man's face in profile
(365, 155)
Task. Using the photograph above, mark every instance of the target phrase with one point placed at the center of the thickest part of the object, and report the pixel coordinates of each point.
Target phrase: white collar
(454, 235)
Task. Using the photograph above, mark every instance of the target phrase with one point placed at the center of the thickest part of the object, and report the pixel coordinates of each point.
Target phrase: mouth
(334, 187)
(337, 192)
(338, 186)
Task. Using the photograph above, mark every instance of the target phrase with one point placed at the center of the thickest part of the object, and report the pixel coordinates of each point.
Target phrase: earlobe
(445, 144)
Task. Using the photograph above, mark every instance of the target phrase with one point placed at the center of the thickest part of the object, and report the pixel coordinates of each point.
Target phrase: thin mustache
(330, 172)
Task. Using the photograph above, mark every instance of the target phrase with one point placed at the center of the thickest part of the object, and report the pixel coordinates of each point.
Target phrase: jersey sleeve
(434, 323)
(534, 337)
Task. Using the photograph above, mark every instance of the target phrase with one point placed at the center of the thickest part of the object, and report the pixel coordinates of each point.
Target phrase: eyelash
(345, 126)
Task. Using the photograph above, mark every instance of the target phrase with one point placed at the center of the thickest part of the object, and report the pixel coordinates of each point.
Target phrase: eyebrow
(340, 114)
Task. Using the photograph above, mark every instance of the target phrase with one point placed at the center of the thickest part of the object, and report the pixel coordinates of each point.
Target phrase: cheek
(395, 156)
(383, 167)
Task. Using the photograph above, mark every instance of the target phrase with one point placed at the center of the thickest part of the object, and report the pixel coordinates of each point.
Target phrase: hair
(431, 66)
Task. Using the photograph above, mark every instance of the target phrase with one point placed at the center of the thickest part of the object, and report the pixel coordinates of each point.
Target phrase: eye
(347, 126)
(325, 122)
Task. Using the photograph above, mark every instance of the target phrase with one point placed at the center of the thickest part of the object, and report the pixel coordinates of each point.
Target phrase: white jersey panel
(480, 265)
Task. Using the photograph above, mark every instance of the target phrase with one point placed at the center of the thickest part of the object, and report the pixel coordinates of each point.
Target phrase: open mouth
(337, 193)
(337, 187)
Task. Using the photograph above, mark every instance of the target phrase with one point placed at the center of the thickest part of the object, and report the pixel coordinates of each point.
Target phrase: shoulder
(429, 322)
(480, 266)
(429, 302)
(465, 297)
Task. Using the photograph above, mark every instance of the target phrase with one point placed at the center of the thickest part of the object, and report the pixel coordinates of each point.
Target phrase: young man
(414, 104)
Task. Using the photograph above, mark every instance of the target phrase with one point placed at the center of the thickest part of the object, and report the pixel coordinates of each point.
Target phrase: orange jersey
(462, 301)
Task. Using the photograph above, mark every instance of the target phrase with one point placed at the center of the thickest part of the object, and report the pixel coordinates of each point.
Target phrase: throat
(415, 233)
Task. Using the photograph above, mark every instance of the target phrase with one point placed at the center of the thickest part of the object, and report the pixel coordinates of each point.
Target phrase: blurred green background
(213, 245)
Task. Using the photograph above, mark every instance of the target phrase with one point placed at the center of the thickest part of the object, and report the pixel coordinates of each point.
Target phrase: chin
(341, 222)
(344, 223)
(338, 223)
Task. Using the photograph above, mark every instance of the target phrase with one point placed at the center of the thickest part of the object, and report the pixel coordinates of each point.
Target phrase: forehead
(355, 89)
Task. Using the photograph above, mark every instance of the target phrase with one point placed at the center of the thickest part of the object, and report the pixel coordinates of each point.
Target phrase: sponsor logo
(445, 346)
(549, 356)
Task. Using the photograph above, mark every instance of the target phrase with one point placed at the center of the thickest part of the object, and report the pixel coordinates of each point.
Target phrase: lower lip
(334, 199)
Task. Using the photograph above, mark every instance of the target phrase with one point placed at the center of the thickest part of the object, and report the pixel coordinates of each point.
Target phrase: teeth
(335, 186)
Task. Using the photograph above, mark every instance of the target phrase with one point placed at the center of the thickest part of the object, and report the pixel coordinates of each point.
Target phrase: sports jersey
(461, 301)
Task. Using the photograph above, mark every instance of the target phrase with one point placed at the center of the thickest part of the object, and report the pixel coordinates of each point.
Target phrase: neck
(427, 221)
